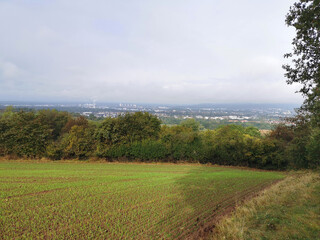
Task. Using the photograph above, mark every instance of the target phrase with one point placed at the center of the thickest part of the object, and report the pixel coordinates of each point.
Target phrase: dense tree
(300, 141)
(313, 149)
(191, 123)
(304, 16)
(23, 134)
(149, 150)
(229, 145)
(54, 120)
(139, 126)
(128, 128)
(283, 133)
(140, 137)
(79, 121)
(79, 142)
(182, 142)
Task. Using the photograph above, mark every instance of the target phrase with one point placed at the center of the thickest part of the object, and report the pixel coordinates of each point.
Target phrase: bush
(313, 149)
(78, 143)
(148, 150)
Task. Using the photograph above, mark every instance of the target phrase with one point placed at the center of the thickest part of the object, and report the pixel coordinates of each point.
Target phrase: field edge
(274, 213)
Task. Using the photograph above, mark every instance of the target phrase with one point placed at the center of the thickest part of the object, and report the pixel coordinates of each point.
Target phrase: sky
(145, 51)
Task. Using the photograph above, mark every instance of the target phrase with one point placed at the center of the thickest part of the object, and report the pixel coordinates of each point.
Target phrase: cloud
(145, 51)
(9, 70)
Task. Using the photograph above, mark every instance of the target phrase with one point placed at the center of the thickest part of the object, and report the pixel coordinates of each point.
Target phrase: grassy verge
(289, 209)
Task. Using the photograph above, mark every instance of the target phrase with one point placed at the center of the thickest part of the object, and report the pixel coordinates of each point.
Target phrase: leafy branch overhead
(304, 16)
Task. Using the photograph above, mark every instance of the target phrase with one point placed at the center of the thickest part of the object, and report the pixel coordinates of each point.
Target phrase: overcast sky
(147, 51)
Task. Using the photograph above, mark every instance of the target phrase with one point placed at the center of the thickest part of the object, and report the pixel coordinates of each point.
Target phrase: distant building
(87, 114)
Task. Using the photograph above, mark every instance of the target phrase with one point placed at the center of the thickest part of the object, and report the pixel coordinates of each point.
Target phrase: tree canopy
(304, 16)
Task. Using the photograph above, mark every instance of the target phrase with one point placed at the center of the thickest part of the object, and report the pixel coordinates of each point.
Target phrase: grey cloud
(182, 51)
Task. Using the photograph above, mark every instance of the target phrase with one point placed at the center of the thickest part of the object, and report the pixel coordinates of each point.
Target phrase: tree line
(213, 124)
(141, 137)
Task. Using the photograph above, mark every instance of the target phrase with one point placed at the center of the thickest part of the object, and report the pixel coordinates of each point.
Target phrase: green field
(111, 201)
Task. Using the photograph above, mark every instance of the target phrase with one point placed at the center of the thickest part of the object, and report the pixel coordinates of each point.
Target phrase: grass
(290, 209)
(58, 200)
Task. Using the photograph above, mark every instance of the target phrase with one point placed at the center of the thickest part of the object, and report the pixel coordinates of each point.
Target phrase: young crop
(117, 201)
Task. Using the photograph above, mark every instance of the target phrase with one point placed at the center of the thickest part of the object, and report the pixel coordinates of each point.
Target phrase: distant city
(231, 113)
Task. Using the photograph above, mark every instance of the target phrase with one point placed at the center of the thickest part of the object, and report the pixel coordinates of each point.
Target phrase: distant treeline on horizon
(175, 115)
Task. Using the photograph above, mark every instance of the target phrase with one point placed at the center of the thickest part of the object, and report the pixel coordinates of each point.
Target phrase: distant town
(249, 114)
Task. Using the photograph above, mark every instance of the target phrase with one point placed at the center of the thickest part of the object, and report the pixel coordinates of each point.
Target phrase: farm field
(54, 200)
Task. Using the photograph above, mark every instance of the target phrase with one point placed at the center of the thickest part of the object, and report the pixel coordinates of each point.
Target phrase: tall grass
(287, 210)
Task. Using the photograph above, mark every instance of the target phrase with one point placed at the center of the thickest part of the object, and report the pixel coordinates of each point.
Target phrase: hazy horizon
(146, 103)
(181, 52)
